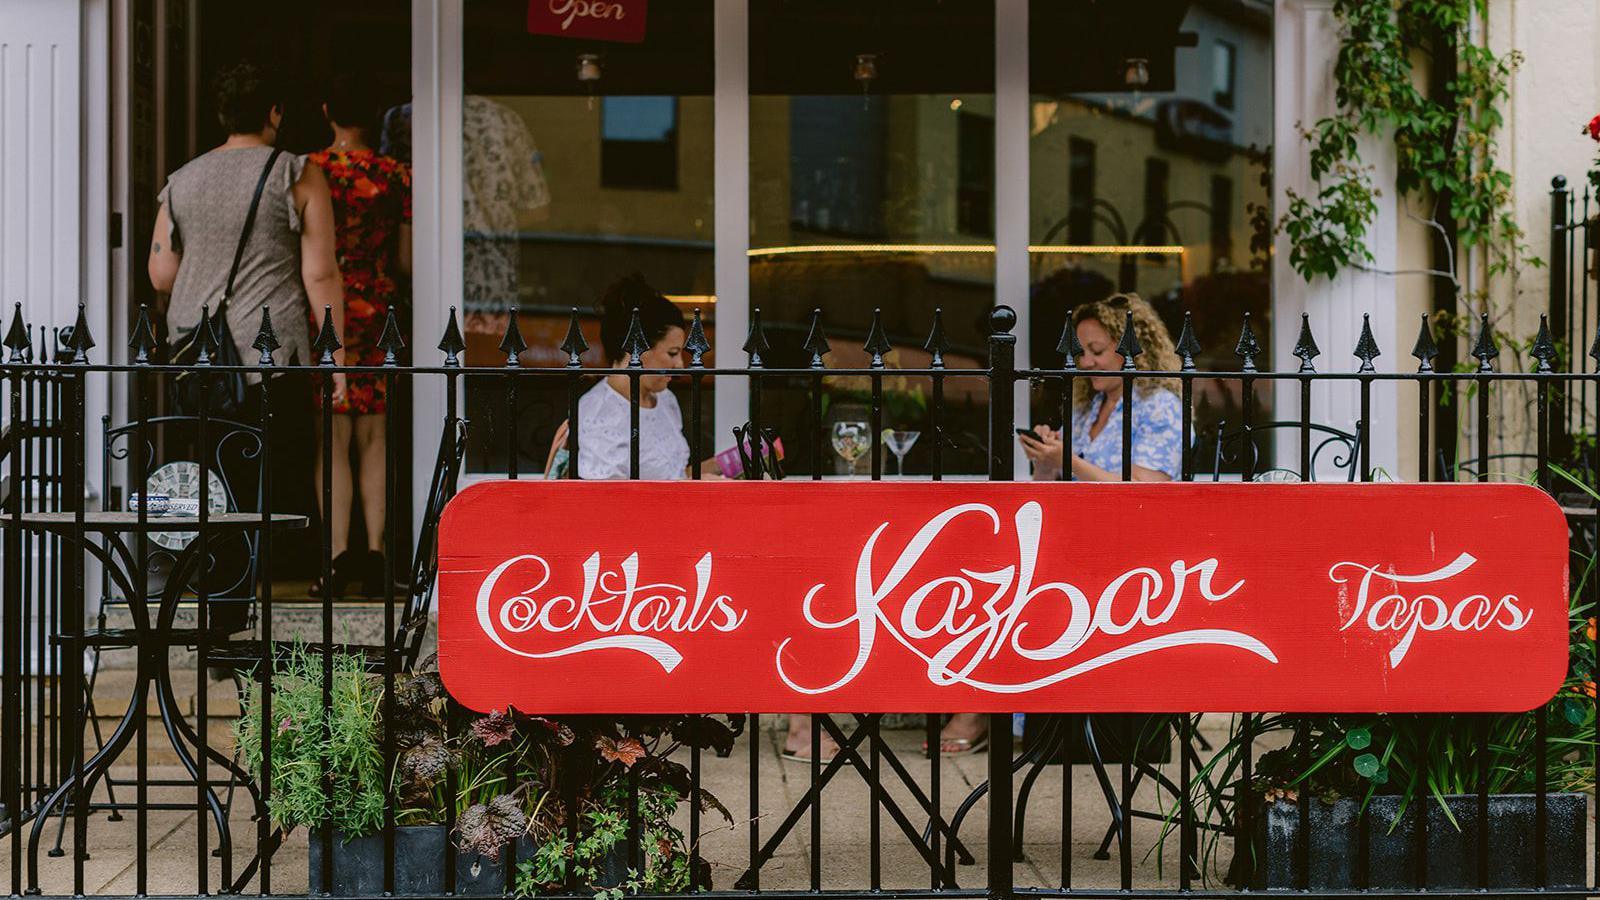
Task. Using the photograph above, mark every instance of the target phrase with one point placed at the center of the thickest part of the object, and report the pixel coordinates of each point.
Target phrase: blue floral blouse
(1157, 434)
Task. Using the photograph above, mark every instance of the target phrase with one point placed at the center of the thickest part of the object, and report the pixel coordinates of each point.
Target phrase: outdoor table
(151, 638)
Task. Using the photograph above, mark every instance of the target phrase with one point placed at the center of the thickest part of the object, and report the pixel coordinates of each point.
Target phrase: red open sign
(619, 21)
(574, 597)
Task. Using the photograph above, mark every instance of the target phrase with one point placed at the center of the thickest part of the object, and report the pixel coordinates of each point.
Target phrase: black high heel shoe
(372, 574)
(344, 572)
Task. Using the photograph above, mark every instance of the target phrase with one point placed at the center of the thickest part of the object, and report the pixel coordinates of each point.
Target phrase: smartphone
(1029, 432)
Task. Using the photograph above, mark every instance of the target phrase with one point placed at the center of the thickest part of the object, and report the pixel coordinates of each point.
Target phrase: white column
(1304, 51)
(731, 199)
(436, 83)
(1011, 182)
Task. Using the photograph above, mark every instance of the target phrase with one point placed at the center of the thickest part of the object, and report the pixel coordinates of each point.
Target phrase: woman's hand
(1044, 449)
(339, 388)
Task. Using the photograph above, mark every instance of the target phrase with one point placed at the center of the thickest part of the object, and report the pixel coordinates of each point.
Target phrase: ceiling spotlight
(1136, 72)
(588, 67)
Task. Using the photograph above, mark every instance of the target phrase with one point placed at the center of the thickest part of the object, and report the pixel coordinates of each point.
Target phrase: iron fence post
(1566, 333)
(1002, 467)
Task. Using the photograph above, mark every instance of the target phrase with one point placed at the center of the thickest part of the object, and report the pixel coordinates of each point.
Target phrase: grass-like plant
(353, 756)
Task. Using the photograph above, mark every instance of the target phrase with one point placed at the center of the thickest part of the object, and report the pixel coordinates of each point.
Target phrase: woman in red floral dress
(372, 216)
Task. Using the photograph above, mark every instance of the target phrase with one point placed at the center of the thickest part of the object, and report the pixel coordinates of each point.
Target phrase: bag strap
(249, 221)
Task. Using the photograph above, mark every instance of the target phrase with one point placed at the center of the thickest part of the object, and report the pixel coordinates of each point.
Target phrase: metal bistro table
(106, 535)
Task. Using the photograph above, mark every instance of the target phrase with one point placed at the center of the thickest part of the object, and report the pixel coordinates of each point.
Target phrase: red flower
(1593, 128)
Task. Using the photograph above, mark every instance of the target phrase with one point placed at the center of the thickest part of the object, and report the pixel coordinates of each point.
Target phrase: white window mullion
(731, 209)
(1011, 181)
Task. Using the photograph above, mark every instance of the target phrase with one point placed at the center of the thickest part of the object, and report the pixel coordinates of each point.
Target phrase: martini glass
(851, 440)
(900, 443)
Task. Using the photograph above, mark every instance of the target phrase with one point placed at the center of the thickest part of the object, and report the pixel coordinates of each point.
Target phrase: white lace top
(603, 436)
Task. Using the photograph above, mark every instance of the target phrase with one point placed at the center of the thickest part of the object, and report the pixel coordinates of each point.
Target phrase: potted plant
(601, 767)
(353, 757)
(1402, 772)
(509, 771)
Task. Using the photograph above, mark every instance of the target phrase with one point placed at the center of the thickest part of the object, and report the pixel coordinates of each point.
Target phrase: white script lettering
(983, 612)
(1426, 612)
(628, 615)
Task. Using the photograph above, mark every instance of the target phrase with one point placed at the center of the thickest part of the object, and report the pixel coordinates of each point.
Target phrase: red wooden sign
(617, 597)
(618, 21)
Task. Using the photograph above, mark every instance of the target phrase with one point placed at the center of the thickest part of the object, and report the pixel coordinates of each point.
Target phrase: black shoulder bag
(222, 393)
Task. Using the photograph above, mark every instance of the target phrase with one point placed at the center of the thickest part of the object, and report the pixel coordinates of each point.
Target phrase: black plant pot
(419, 864)
(1333, 844)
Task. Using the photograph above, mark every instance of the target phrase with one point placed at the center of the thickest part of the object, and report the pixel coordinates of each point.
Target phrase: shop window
(639, 143)
(872, 189)
(1164, 164)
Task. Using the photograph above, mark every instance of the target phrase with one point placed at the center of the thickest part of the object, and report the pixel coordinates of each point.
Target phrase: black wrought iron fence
(57, 771)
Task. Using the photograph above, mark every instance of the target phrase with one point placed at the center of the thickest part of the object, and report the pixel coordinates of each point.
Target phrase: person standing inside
(372, 221)
(286, 261)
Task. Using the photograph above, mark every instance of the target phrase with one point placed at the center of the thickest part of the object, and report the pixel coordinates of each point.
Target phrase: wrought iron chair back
(234, 450)
(1239, 450)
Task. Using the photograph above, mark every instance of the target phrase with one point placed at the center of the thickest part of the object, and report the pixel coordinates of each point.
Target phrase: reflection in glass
(872, 190)
(582, 162)
(1174, 166)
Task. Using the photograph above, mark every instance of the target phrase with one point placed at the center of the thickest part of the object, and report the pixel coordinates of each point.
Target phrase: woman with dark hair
(372, 217)
(286, 258)
(604, 421)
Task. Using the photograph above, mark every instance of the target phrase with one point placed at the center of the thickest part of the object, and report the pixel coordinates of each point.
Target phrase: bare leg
(370, 449)
(962, 731)
(341, 481)
(798, 740)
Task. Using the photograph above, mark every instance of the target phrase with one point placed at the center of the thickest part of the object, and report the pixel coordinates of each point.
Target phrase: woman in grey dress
(289, 258)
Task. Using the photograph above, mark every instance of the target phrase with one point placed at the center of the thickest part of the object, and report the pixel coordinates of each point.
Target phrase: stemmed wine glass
(851, 440)
(900, 443)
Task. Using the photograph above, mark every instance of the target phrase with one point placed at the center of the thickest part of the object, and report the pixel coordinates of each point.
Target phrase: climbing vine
(1444, 147)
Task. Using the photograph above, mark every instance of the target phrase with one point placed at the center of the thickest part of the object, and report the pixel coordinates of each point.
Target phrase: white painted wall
(1553, 95)
(53, 179)
(1307, 38)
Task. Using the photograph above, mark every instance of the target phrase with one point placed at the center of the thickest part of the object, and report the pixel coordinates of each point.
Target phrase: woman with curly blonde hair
(1097, 400)
(1097, 431)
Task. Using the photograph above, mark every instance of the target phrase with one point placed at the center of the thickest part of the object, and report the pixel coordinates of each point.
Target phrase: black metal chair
(232, 451)
(1232, 450)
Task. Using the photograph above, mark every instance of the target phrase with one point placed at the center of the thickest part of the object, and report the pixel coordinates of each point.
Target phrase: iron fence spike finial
(327, 342)
(1485, 350)
(143, 342)
(17, 337)
(1594, 347)
(1002, 319)
(1544, 349)
(512, 343)
(1425, 350)
(755, 343)
(1366, 345)
(1069, 346)
(266, 339)
(1188, 345)
(574, 345)
(816, 340)
(1128, 345)
(208, 337)
(81, 340)
(452, 344)
(938, 343)
(1248, 347)
(877, 342)
(696, 343)
(1306, 346)
(390, 341)
(634, 343)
